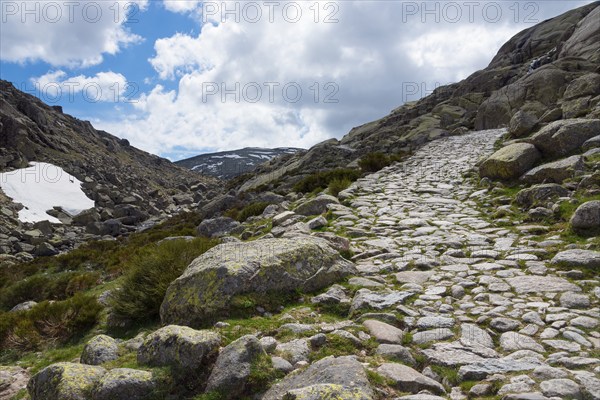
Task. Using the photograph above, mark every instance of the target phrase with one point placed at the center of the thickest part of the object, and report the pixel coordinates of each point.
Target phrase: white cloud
(71, 34)
(104, 86)
(181, 6)
(374, 50)
(453, 52)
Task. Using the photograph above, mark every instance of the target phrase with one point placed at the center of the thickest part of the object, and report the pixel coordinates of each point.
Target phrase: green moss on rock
(207, 288)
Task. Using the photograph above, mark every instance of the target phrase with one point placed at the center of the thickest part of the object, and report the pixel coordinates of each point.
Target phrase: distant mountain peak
(229, 164)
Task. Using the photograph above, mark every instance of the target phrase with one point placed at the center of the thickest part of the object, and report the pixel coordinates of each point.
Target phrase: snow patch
(40, 188)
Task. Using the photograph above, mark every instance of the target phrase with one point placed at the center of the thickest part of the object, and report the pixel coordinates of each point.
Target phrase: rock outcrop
(274, 266)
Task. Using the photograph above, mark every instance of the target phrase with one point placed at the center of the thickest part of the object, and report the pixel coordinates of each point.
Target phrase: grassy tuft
(321, 180)
(337, 185)
(150, 273)
(47, 324)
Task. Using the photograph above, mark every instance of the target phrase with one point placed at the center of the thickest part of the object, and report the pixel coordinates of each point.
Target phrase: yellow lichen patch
(326, 391)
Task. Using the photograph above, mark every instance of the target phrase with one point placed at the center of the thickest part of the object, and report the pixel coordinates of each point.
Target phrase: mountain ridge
(232, 163)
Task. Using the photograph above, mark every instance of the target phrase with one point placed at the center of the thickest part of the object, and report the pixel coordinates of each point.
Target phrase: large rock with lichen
(555, 172)
(126, 384)
(326, 391)
(231, 373)
(510, 162)
(564, 137)
(182, 348)
(335, 378)
(65, 381)
(100, 349)
(586, 219)
(270, 267)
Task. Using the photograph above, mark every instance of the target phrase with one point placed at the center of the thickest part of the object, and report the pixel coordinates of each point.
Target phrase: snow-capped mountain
(229, 164)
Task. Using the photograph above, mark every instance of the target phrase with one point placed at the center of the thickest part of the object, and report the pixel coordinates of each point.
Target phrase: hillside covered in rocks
(128, 186)
(447, 251)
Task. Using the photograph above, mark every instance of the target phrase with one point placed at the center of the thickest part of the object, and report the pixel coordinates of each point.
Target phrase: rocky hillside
(531, 71)
(466, 268)
(229, 164)
(127, 185)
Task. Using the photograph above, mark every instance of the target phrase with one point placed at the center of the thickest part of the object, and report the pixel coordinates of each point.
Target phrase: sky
(182, 77)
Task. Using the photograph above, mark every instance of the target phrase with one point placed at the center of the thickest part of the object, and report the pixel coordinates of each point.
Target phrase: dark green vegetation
(66, 286)
(149, 273)
(251, 210)
(374, 162)
(47, 323)
(321, 180)
(339, 179)
(337, 185)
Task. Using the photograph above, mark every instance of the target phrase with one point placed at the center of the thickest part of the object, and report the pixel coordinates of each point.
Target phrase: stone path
(476, 297)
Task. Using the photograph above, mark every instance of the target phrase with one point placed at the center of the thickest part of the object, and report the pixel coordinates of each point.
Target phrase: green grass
(340, 346)
(374, 162)
(407, 339)
(251, 210)
(262, 375)
(150, 273)
(337, 185)
(95, 262)
(451, 374)
(66, 287)
(321, 180)
(40, 360)
(47, 323)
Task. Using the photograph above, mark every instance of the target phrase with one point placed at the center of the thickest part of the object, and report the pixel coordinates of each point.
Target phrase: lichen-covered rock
(510, 162)
(185, 349)
(384, 333)
(344, 374)
(592, 143)
(65, 381)
(271, 266)
(586, 85)
(577, 258)
(294, 351)
(564, 137)
(217, 227)
(126, 384)
(586, 218)
(232, 369)
(326, 391)
(99, 350)
(407, 379)
(555, 172)
(521, 124)
(316, 206)
(12, 380)
(539, 193)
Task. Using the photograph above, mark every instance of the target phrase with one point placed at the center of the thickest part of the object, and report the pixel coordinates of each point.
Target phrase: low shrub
(48, 323)
(373, 162)
(42, 287)
(251, 210)
(321, 180)
(149, 274)
(57, 277)
(337, 185)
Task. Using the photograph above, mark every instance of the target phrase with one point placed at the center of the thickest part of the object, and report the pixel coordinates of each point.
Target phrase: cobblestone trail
(481, 299)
